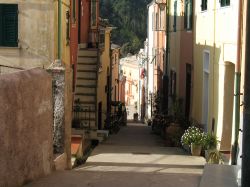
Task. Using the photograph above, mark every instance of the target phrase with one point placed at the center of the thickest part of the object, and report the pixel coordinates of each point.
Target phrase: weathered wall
(103, 73)
(215, 32)
(26, 127)
(35, 35)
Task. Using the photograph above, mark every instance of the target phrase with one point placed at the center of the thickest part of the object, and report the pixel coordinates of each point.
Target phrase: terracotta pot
(196, 149)
(173, 133)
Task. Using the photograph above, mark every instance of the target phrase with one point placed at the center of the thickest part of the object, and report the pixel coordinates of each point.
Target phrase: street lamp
(162, 4)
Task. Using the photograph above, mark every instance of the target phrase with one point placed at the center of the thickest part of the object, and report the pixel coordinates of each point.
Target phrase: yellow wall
(115, 72)
(65, 59)
(35, 34)
(215, 31)
(103, 73)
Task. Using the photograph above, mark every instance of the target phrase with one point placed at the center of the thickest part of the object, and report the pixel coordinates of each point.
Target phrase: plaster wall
(104, 71)
(216, 33)
(35, 34)
(26, 151)
(115, 73)
(150, 66)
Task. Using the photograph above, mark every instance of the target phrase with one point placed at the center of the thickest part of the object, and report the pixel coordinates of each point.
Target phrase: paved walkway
(132, 158)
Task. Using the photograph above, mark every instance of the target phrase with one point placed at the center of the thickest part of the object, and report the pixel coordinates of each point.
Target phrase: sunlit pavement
(133, 157)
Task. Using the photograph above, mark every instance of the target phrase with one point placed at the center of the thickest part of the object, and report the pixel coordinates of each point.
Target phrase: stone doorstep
(60, 162)
(217, 175)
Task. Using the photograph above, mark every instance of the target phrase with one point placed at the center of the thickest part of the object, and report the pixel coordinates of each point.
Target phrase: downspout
(237, 89)
(165, 76)
(146, 83)
(246, 112)
(59, 47)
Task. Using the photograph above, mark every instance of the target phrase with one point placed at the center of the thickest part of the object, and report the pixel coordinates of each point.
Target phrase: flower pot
(196, 149)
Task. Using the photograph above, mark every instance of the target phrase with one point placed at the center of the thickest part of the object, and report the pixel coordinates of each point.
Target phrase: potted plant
(212, 155)
(194, 138)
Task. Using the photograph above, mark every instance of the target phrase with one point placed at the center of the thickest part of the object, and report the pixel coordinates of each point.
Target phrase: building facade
(216, 68)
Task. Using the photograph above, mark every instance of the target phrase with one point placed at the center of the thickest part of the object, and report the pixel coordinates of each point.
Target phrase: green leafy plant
(215, 157)
(210, 141)
(193, 135)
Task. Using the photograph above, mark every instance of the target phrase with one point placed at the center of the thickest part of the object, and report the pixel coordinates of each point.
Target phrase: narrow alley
(133, 157)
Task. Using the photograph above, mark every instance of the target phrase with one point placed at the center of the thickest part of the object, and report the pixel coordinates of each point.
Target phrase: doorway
(188, 89)
(205, 106)
(100, 116)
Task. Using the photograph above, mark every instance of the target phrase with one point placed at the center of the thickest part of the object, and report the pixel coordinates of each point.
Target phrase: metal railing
(81, 116)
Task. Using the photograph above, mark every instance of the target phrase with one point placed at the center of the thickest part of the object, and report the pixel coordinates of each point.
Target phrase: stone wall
(58, 75)
(26, 151)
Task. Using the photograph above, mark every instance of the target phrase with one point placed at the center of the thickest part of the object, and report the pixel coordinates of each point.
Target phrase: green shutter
(1, 25)
(185, 13)
(9, 28)
(191, 14)
(175, 15)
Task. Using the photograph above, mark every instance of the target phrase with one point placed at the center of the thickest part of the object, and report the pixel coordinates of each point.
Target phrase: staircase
(86, 87)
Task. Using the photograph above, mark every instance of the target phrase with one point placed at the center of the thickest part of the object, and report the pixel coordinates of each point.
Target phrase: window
(203, 5)
(156, 21)
(159, 19)
(101, 39)
(9, 25)
(93, 13)
(175, 15)
(162, 18)
(73, 11)
(173, 83)
(153, 21)
(224, 3)
(188, 14)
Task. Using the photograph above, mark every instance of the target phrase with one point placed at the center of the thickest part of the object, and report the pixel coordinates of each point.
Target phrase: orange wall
(85, 20)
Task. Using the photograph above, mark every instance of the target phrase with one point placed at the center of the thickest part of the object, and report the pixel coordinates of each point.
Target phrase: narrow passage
(132, 158)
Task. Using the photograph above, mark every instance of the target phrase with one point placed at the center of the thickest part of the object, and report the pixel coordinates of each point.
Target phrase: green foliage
(215, 157)
(130, 18)
(210, 141)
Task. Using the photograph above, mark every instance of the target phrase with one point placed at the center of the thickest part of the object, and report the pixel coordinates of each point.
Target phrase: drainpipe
(237, 89)
(59, 47)
(246, 112)
(165, 76)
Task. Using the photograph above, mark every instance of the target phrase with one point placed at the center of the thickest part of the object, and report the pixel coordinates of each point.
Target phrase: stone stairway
(86, 86)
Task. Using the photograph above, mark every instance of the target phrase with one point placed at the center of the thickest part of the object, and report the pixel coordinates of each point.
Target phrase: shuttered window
(93, 13)
(203, 5)
(175, 15)
(9, 25)
(224, 3)
(188, 14)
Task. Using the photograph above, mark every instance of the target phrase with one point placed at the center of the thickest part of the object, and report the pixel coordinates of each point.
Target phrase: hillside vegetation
(130, 18)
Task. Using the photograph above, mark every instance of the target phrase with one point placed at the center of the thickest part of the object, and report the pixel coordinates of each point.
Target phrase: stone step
(86, 86)
(83, 81)
(87, 53)
(87, 67)
(85, 90)
(92, 60)
(87, 71)
(84, 75)
(88, 103)
(217, 175)
(85, 94)
(86, 98)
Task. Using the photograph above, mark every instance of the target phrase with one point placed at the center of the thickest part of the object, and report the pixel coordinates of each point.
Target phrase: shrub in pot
(194, 138)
